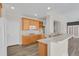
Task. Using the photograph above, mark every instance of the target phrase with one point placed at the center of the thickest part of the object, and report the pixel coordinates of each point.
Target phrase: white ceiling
(29, 9)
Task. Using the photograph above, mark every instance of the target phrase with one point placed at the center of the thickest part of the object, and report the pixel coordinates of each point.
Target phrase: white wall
(52, 15)
(49, 25)
(13, 32)
(13, 25)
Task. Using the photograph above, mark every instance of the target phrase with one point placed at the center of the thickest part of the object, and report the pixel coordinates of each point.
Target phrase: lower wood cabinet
(42, 50)
(26, 40)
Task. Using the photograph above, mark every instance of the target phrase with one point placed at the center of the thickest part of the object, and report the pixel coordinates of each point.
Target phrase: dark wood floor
(73, 49)
(32, 50)
(18, 50)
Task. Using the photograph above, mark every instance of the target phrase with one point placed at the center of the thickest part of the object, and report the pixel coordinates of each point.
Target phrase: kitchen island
(54, 46)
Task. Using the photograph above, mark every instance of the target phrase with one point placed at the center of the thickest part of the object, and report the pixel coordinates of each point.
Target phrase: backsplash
(28, 32)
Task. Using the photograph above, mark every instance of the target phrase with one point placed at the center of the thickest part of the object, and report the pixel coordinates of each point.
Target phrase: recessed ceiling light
(12, 8)
(49, 8)
(36, 15)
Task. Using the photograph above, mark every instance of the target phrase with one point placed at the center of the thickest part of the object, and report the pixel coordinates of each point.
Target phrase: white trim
(31, 18)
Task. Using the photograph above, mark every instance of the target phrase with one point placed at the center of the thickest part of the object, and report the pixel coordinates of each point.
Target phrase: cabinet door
(34, 38)
(41, 36)
(40, 24)
(42, 49)
(26, 40)
(36, 23)
(25, 24)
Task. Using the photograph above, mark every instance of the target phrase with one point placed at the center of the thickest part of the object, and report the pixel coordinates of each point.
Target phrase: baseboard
(13, 45)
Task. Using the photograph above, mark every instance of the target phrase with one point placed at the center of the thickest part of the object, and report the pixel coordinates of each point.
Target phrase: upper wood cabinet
(40, 24)
(0, 9)
(36, 23)
(26, 23)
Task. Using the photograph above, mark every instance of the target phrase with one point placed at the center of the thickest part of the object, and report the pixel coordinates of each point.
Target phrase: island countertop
(56, 39)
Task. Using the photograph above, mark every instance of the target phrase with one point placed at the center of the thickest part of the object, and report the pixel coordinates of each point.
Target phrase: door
(75, 30)
(3, 40)
(70, 30)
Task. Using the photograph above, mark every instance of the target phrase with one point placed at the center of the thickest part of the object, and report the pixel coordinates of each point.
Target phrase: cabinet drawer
(34, 37)
(31, 39)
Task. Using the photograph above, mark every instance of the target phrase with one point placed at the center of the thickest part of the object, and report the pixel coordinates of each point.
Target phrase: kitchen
(32, 30)
(36, 35)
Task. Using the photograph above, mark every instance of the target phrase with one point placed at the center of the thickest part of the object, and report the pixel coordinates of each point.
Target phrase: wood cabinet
(0, 9)
(42, 50)
(27, 22)
(36, 23)
(26, 40)
(40, 24)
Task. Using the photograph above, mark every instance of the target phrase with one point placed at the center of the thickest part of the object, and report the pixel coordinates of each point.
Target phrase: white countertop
(57, 39)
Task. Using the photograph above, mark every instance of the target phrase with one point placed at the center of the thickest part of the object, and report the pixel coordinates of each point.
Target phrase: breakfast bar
(54, 46)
